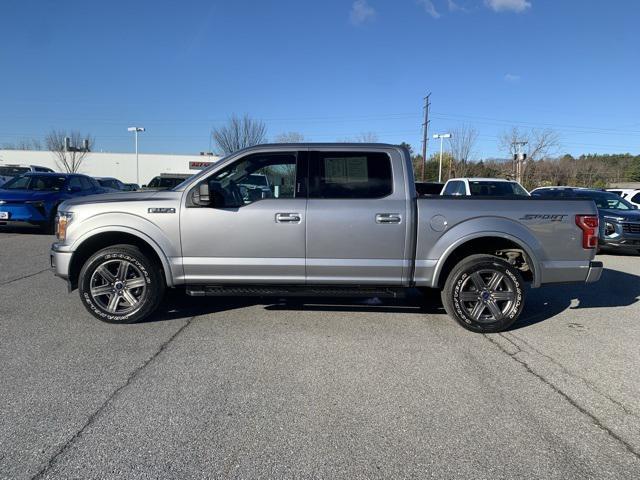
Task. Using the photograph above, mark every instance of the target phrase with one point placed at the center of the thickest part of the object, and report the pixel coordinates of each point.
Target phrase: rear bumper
(570, 271)
(595, 270)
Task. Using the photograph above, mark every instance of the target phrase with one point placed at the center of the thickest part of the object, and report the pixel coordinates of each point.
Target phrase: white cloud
(456, 7)
(361, 12)
(511, 77)
(429, 7)
(517, 6)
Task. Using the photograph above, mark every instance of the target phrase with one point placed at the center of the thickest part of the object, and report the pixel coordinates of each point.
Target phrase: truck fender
(131, 224)
(487, 227)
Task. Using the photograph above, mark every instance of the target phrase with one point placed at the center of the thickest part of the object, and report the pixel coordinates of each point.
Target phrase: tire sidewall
(153, 279)
(453, 286)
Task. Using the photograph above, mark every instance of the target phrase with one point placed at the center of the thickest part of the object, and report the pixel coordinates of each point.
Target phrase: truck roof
(481, 179)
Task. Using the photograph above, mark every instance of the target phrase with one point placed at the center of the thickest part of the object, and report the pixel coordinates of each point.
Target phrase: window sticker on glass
(346, 170)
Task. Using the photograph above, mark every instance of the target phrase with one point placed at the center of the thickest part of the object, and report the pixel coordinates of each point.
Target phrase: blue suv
(32, 199)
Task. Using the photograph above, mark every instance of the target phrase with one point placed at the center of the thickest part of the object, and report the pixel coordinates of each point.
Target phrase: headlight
(63, 219)
(609, 228)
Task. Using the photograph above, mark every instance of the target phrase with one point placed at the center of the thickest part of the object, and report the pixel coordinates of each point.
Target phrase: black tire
(137, 295)
(484, 294)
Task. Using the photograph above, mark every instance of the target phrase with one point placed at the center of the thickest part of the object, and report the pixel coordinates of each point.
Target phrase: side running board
(292, 291)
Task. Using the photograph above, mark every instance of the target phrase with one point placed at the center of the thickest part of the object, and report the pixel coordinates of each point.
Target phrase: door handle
(288, 218)
(388, 218)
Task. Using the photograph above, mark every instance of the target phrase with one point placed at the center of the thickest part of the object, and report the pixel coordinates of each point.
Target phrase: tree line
(544, 165)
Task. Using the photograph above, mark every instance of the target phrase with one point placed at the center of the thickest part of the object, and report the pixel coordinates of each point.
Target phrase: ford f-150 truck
(342, 220)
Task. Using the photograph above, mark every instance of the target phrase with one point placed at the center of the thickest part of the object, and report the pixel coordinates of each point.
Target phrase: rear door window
(350, 175)
(451, 188)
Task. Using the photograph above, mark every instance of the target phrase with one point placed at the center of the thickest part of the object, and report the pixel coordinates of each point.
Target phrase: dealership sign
(199, 165)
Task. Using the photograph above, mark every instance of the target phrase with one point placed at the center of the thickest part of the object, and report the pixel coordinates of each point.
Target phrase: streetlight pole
(441, 136)
(135, 130)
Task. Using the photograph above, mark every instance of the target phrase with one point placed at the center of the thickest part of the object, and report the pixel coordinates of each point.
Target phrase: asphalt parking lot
(276, 389)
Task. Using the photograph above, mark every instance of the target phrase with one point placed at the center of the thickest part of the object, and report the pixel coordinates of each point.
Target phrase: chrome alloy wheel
(488, 296)
(118, 286)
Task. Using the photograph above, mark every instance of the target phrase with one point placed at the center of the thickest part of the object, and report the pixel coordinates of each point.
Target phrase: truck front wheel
(485, 294)
(120, 284)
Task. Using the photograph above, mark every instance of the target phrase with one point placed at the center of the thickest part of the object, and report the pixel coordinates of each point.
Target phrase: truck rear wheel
(120, 284)
(484, 294)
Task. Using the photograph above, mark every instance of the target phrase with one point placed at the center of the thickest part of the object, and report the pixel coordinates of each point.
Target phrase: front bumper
(25, 214)
(60, 261)
(625, 236)
(595, 270)
(20, 224)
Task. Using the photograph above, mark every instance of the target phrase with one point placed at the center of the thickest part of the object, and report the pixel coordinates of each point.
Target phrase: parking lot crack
(566, 371)
(595, 420)
(109, 400)
(7, 282)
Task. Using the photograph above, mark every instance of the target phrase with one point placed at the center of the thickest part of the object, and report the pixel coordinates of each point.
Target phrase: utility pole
(519, 158)
(425, 133)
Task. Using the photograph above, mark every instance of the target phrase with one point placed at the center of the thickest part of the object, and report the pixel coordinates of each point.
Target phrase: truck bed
(545, 229)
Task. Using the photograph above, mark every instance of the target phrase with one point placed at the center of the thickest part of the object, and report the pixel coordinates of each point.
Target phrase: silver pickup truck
(341, 220)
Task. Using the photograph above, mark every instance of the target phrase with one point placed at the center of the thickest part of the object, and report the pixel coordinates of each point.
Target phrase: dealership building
(119, 165)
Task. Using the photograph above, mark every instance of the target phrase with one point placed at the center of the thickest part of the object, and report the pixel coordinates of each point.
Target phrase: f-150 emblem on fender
(540, 216)
(162, 210)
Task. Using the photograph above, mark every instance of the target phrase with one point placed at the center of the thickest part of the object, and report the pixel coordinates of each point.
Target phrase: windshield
(609, 201)
(12, 171)
(35, 182)
(497, 189)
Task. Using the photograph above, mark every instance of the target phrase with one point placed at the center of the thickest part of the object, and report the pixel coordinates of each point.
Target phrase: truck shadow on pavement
(178, 305)
(615, 289)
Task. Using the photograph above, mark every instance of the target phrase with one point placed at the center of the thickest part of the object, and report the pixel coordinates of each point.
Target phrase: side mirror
(203, 194)
(74, 189)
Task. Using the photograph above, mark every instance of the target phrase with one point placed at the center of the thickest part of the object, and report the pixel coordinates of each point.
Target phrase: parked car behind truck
(32, 200)
(8, 171)
(484, 187)
(347, 222)
(166, 181)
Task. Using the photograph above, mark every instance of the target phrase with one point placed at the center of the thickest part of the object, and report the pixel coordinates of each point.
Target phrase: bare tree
(461, 145)
(289, 137)
(540, 144)
(239, 133)
(69, 159)
(367, 137)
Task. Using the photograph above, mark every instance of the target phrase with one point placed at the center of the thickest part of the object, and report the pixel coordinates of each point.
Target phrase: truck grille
(631, 227)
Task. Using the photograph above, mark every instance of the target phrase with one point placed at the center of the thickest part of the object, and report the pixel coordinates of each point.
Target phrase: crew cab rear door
(357, 218)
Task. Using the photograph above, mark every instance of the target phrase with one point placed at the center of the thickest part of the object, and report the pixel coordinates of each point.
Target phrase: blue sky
(329, 69)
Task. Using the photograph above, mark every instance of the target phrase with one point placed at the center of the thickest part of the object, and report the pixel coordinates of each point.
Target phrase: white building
(119, 165)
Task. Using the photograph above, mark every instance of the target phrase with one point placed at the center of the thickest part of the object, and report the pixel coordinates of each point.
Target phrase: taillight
(589, 226)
